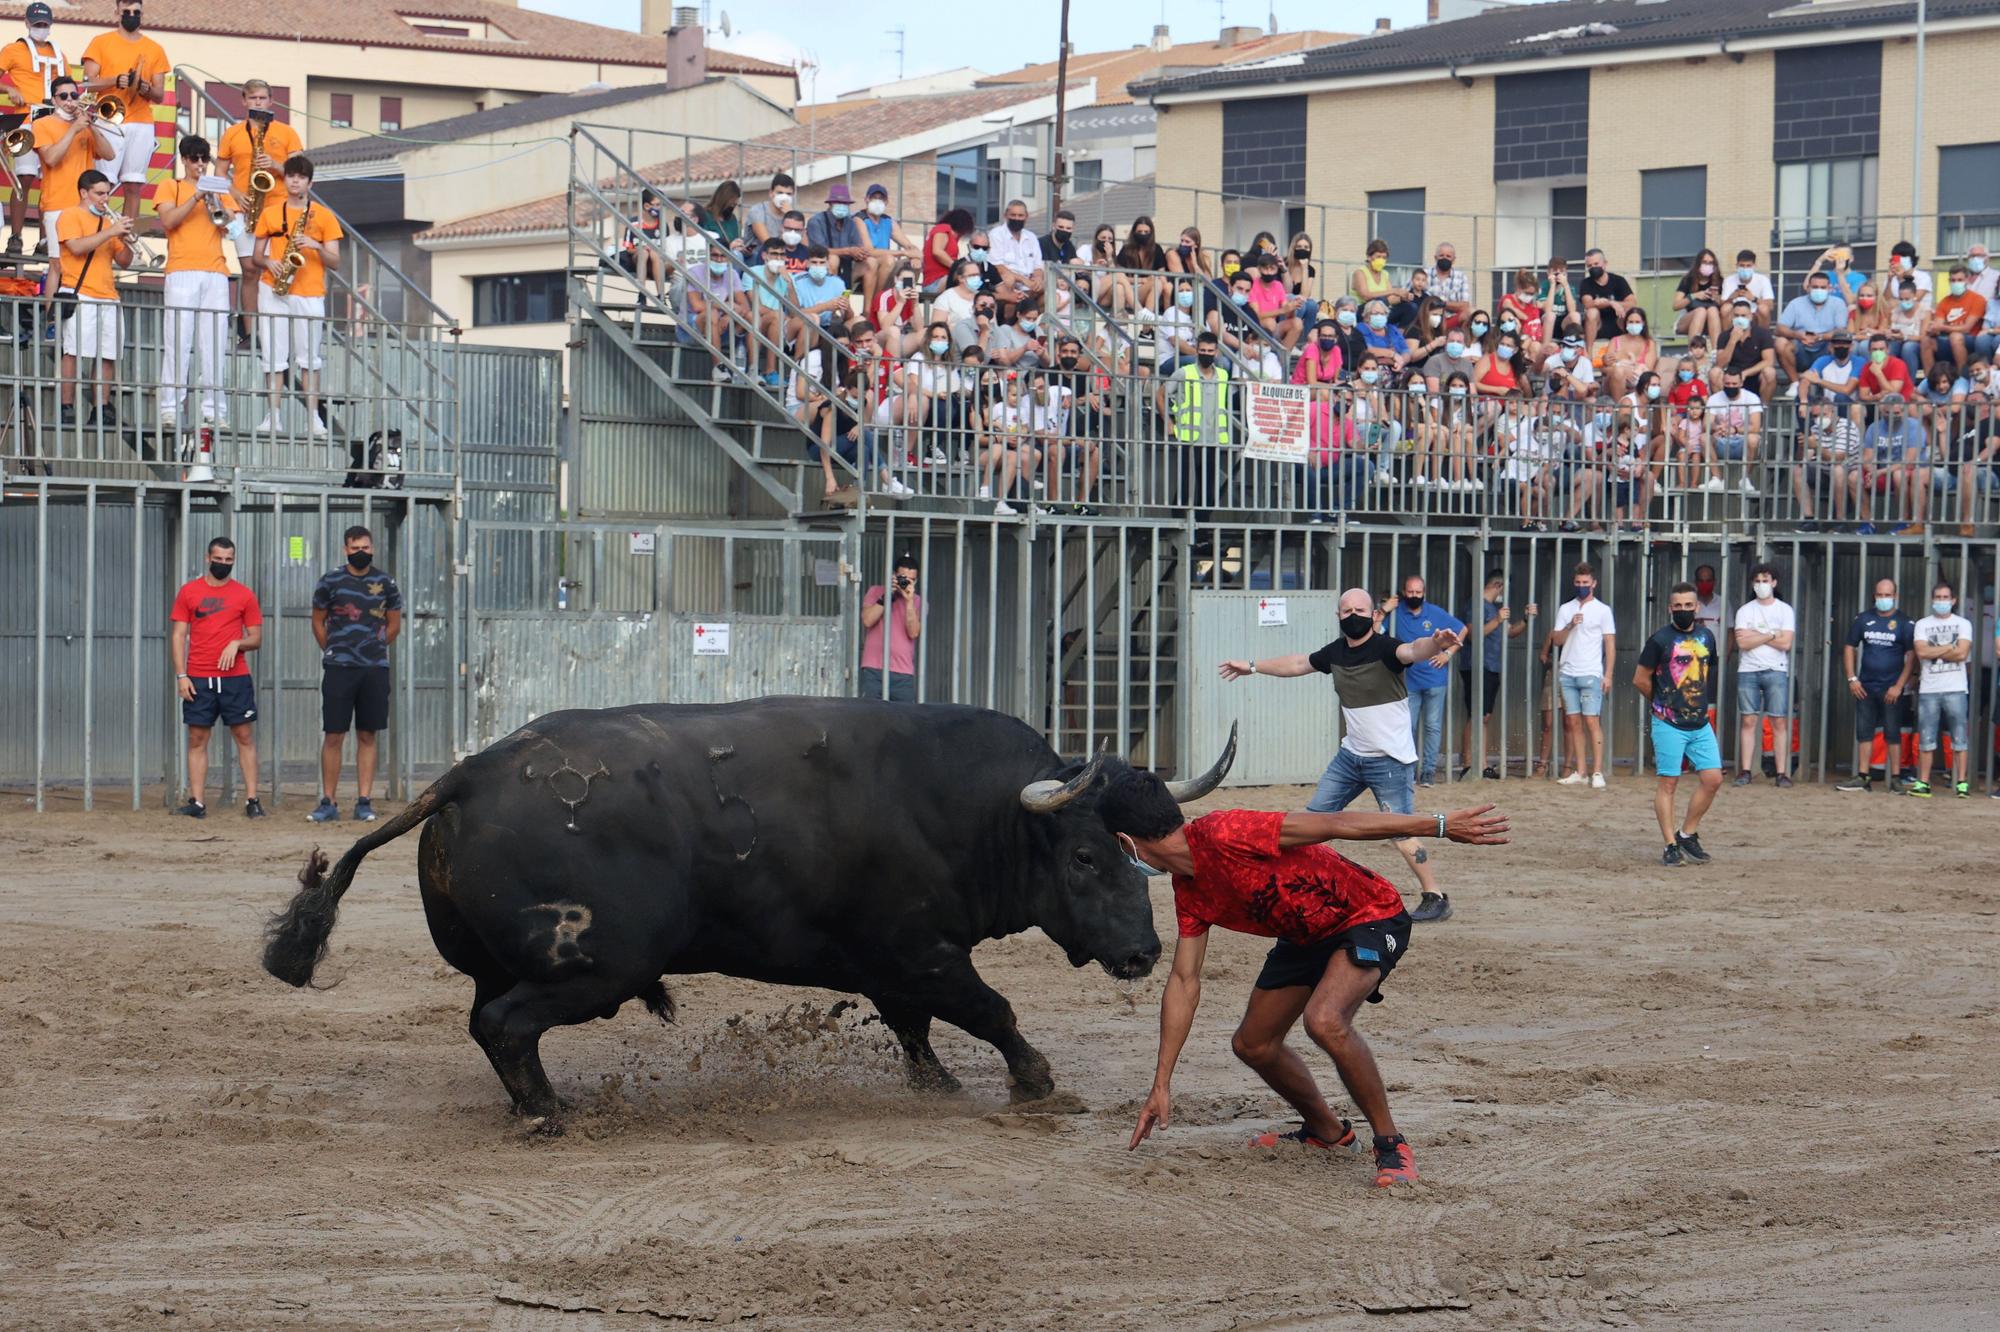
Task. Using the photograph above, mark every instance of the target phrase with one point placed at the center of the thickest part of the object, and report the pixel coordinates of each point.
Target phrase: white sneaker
(1036, 484)
(1036, 511)
(720, 374)
(1470, 485)
(897, 489)
(1573, 779)
(937, 457)
(1791, 390)
(1004, 510)
(270, 424)
(986, 492)
(1713, 484)
(1384, 477)
(208, 416)
(318, 428)
(1749, 486)
(1597, 782)
(169, 420)
(1421, 480)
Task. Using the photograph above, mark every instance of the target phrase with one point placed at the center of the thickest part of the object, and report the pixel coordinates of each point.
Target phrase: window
(342, 114)
(1089, 176)
(1569, 223)
(1823, 202)
(520, 298)
(392, 114)
(1968, 197)
(1397, 216)
(1672, 205)
(966, 179)
(1029, 184)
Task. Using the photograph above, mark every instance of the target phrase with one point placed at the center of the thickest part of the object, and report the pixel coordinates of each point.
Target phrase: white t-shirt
(951, 308)
(1942, 677)
(1581, 371)
(1708, 615)
(1758, 288)
(1583, 653)
(1729, 417)
(1766, 617)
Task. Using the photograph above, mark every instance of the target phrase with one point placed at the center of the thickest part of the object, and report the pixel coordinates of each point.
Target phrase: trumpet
(18, 141)
(110, 110)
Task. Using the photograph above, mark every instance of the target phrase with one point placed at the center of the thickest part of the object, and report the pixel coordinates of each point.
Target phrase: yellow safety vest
(1188, 414)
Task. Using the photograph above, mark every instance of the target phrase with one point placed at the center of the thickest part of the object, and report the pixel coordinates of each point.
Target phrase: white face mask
(781, 200)
(793, 238)
(876, 208)
(1765, 591)
(40, 32)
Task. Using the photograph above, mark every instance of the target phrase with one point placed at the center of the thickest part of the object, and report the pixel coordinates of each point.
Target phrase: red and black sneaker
(1273, 1138)
(1394, 1162)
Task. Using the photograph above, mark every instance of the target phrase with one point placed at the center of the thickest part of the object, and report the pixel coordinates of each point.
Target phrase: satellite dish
(726, 30)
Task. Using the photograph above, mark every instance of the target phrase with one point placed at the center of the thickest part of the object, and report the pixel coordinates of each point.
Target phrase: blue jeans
(1393, 782)
(1764, 693)
(1911, 353)
(1950, 709)
(1340, 484)
(862, 454)
(902, 688)
(1427, 728)
(1583, 695)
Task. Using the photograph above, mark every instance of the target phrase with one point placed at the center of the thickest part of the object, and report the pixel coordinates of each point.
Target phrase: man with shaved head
(1376, 751)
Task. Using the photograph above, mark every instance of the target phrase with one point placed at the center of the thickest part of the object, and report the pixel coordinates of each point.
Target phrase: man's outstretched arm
(1178, 1001)
(1478, 826)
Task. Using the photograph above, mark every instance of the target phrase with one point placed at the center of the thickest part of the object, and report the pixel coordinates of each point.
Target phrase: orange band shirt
(115, 54)
(18, 64)
(280, 142)
(195, 246)
(101, 281)
(321, 225)
(59, 179)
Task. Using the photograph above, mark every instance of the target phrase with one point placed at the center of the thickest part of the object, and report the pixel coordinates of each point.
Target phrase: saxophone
(262, 181)
(286, 270)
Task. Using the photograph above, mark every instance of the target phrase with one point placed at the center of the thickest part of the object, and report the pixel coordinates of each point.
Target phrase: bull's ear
(1048, 796)
(1183, 792)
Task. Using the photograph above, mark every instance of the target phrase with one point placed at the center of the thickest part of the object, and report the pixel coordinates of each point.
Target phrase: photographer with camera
(903, 608)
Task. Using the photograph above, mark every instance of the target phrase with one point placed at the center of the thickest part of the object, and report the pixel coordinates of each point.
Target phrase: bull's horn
(1182, 792)
(1046, 797)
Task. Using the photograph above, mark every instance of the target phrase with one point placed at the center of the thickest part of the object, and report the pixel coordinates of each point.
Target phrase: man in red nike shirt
(1340, 929)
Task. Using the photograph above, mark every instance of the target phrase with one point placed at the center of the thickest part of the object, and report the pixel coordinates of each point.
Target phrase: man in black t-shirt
(1604, 296)
(1676, 673)
(357, 612)
(1749, 349)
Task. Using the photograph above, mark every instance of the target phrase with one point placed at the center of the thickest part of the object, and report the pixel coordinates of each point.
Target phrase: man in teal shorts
(1677, 675)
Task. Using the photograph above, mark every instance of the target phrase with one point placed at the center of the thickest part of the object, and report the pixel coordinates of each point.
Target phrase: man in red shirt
(216, 621)
(1340, 930)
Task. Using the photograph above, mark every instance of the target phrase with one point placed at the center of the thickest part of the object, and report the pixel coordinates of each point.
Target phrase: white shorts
(289, 329)
(50, 216)
(246, 244)
(135, 141)
(93, 330)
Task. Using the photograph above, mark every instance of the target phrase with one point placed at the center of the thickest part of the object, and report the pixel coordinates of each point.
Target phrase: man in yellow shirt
(93, 241)
(238, 153)
(132, 67)
(196, 319)
(28, 63)
(290, 327)
(68, 142)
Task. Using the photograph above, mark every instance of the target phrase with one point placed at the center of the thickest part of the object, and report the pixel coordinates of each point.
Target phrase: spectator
(894, 313)
(1382, 339)
(1277, 309)
(1371, 282)
(941, 246)
(798, 255)
(1302, 278)
(1558, 301)
(1353, 346)
(1447, 435)
(1692, 373)
(93, 241)
(1023, 344)
(1198, 401)
(1870, 314)
(1903, 266)
(1954, 330)
(1708, 601)
(1886, 374)
(820, 295)
(837, 426)
(954, 304)
(718, 217)
(1605, 298)
(1976, 456)
(1403, 314)
(1188, 256)
(1831, 453)
(1807, 327)
(1059, 246)
(978, 248)
(1498, 375)
(216, 624)
(771, 285)
(716, 301)
(1452, 288)
(1143, 254)
(1062, 435)
(1693, 450)
(1536, 441)
(1107, 286)
(1835, 377)
(1375, 417)
(1496, 625)
(1736, 422)
(1698, 298)
(1909, 318)
(905, 612)
(1236, 327)
(1630, 354)
(1847, 283)
(1339, 468)
(1746, 281)
(888, 247)
(1427, 332)
(357, 613)
(1942, 642)
(1895, 456)
(923, 387)
(765, 221)
(1011, 445)
(639, 249)
(1521, 306)
(1587, 635)
(1765, 629)
(1568, 372)
(1455, 357)
(1416, 618)
(1676, 673)
(1749, 349)
(1985, 279)
(834, 228)
(1879, 657)
(1017, 253)
(1173, 333)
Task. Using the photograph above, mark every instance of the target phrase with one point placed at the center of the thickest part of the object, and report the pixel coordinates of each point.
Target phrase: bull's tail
(295, 939)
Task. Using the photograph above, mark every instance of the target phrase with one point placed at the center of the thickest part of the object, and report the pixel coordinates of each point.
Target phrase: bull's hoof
(551, 1125)
(933, 1079)
(1021, 1092)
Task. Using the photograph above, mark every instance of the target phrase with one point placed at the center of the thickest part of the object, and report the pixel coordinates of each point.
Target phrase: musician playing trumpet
(297, 241)
(127, 65)
(28, 63)
(68, 142)
(196, 319)
(257, 143)
(94, 241)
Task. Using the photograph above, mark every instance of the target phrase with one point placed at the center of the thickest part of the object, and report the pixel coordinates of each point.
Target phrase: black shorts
(1489, 687)
(356, 696)
(1377, 943)
(1874, 711)
(233, 698)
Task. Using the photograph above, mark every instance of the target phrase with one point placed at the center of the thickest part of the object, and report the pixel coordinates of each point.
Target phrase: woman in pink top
(1319, 365)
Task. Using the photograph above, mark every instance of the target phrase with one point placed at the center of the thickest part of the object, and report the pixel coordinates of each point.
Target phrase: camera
(902, 582)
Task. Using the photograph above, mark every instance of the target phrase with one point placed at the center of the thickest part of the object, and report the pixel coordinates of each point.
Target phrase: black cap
(39, 13)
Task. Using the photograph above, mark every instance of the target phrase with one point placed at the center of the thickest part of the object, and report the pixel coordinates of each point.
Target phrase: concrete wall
(1953, 64)
(1190, 159)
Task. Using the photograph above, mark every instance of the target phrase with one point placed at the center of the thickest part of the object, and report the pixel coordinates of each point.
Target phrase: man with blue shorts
(1677, 675)
(1586, 634)
(1765, 629)
(1376, 751)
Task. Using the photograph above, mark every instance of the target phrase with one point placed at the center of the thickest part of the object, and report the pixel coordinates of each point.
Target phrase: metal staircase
(1117, 657)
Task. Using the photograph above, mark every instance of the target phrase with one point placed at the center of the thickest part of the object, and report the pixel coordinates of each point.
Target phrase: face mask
(718, 266)
(40, 32)
(979, 255)
(1454, 348)
(1706, 587)
(793, 237)
(1184, 299)
(1302, 252)
(1602, 420)
(1583, 591)
(1907, 303)
(1027, 325)
(938, 347)
(1346, 318)
(1132, 854)
(1444, 263)
(359, 560)
(1764, 591)
(1413, 604)
(1878, 356)
(1683, 619)
(1958, 289)
(1866, 302)
(1138, 237)
(1840, 353)
(1635, 329)
(1732, 393)
(1378, 321)
(839, 212)
(1884, 605)
(1504, 353)
(1479, 327)
(1509, 326)
(1184, 249)
(781, 201)
(774, 266)
(1685, 374)
(974, 282)
(982, 312)
(1240, 297)
(876, 208)
(1708, 270)
(1436, 319)
(1652, 391)
(818, 272)
(1940, 608)
(1015, 224)
(1569, 356)
(1370, 376)
(220, 572)
(1353, 626)
(1976, 264)
(1068, 362)
(1457, 390)
(1327, 344)
(1205, 359)
(1230, 268)
(129, 22)
(1745, 274)
(1378, 263)
(1741, 321)
(1596, 271)
(1818, 295)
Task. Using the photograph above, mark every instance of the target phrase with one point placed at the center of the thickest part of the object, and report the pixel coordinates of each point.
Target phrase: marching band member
(29, 63)
(131, 67)
(197, 297)
(68, 142)
(240, 152)
(93, 241)
(291, 305)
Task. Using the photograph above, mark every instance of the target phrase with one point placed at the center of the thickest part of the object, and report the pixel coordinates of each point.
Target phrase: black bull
(848, 844)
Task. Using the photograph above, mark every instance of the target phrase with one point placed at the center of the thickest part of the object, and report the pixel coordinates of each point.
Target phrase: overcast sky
(854, 46)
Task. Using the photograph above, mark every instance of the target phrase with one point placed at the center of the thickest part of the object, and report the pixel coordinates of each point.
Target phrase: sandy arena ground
(1757, 1095)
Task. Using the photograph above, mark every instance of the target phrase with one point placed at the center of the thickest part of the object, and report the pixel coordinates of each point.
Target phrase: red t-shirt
(933, 270)
(1896, 372)
(216, 615)
(1686, 391)
(1242, 881)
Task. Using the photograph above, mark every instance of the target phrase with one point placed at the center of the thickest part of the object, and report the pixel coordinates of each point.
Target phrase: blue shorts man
(1676, 673)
